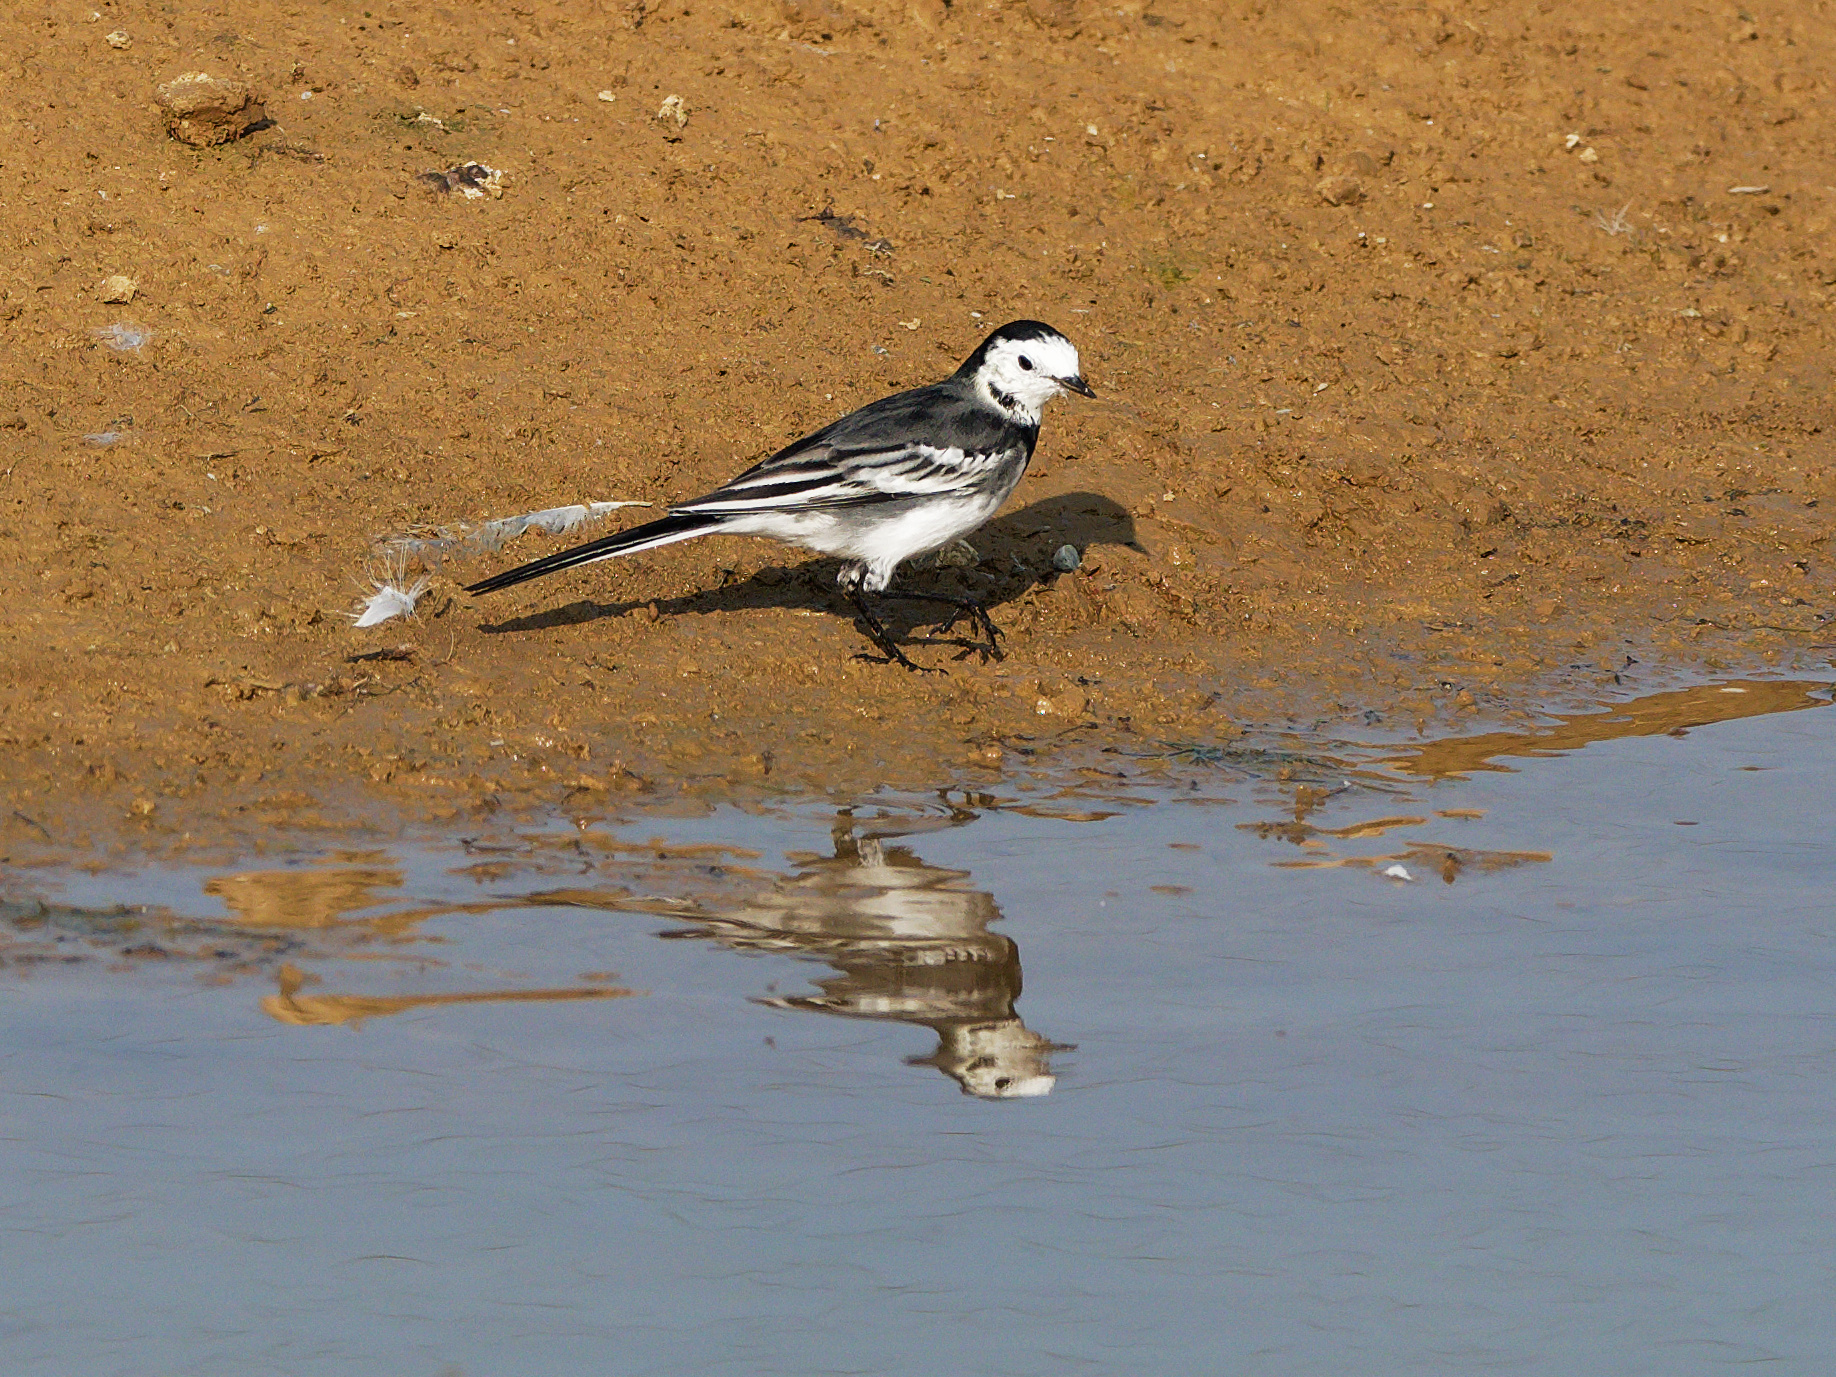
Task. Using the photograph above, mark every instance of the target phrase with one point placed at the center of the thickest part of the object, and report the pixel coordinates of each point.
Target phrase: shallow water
(1560, 1101)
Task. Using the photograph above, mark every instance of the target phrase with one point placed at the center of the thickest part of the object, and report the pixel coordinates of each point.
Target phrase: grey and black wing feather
(929, 442)
(868, 457)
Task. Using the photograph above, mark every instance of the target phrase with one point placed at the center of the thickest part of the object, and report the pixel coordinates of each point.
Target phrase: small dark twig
(34, 823)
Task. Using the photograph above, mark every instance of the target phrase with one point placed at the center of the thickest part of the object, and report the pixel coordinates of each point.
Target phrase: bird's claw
(988, 650)
(894, 656)
(979, 621)
(878, 634)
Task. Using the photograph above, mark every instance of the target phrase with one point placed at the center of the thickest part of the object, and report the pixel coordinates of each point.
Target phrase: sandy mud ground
(1448, 360)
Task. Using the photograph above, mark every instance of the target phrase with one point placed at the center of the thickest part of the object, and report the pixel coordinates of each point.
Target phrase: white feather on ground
(394, 596)
(391, 594)
(489, 537)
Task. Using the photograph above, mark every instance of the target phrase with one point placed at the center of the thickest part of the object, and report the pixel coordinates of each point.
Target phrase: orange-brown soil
(1446, 359)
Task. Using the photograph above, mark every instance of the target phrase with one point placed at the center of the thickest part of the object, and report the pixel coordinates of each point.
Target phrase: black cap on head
(1013, 330)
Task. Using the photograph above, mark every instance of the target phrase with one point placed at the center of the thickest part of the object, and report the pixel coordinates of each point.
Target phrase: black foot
(880, 637)
(979, 621)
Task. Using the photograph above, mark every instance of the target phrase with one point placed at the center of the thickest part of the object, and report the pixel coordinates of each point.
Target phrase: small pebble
(673, 116)
(117, 39)
(118, 290)
(1065, 559)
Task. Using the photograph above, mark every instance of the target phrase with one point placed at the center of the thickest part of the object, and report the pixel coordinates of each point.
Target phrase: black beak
(1078, 385)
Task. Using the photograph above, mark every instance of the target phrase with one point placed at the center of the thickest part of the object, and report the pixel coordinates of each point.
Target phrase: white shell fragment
(1397, 872)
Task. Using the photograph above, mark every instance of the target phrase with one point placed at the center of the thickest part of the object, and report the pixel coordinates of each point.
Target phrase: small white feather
(390, 599)
(491, 536)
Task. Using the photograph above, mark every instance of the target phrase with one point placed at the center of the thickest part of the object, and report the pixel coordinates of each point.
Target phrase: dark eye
(1026, 363)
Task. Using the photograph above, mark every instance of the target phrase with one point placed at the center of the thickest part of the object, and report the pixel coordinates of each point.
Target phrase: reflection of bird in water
(320, 897)
(910, 945)
(289, 1005)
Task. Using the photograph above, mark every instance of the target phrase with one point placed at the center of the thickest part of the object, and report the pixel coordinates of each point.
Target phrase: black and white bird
(903, 476)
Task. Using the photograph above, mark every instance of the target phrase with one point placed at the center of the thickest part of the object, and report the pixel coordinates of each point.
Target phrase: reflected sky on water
(762, 1094)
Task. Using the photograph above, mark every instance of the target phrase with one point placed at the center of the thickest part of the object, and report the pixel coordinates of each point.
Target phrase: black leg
(878, 634)
(965, 607)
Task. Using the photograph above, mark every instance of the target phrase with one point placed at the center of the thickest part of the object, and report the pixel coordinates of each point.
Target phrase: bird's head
(1022, 366)
(1000, 1059)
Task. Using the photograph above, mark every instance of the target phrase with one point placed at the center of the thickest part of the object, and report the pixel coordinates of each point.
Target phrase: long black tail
(663, 531)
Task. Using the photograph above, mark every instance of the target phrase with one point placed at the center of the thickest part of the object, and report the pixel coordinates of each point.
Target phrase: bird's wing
(873, 455)
(831, 476)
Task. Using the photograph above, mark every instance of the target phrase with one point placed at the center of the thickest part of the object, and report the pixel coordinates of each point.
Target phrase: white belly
(879, 542)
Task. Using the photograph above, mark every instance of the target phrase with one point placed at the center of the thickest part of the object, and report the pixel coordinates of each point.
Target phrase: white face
(998, 1061)
(1030, 371)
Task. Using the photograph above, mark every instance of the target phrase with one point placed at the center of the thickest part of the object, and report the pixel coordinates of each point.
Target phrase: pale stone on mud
(203, 110)
(673, 116)
(117, 290)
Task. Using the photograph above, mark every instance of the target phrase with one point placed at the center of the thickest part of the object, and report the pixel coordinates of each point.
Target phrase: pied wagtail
(903, 476)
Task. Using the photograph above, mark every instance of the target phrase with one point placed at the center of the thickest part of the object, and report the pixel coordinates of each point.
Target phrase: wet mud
(1447, 365)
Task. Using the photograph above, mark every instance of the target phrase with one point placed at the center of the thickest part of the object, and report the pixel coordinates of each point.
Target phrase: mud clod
(204, 110)
(1341, 191)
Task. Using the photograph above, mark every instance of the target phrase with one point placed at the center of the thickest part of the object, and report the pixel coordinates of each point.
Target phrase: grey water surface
(760, 1094)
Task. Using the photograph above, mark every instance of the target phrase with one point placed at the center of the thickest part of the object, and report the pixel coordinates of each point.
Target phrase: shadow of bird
(1016, 556)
